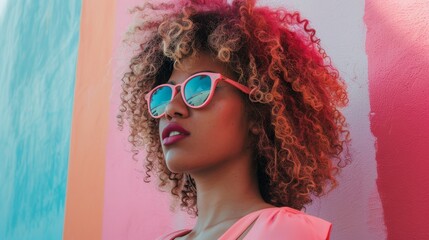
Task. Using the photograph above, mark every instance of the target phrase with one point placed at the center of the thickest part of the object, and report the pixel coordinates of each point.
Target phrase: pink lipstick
(173, 133)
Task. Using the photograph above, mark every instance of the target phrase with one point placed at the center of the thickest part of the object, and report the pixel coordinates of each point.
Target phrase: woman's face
(218, 132)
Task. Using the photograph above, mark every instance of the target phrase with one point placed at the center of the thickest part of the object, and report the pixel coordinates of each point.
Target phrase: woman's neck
(226, 194)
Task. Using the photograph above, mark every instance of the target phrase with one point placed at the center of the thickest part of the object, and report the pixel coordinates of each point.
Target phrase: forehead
(200, 63)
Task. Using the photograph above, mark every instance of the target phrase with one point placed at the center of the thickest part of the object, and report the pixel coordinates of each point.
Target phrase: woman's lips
(173, 127)
(173, 139)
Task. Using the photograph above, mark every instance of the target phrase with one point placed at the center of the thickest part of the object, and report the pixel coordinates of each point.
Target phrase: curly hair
(295, 93)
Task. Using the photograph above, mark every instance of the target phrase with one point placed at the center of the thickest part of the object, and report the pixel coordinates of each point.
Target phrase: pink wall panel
(132, 209)
(398, 59)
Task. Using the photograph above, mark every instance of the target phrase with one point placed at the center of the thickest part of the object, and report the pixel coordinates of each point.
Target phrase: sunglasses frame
(215, 79)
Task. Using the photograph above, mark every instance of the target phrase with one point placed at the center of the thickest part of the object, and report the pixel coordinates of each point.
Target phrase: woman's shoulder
(278, 223)
(174, 234)
(274, 223)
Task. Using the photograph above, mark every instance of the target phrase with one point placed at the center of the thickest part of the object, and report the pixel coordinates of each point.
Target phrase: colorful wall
(39, 42)
(66, 170)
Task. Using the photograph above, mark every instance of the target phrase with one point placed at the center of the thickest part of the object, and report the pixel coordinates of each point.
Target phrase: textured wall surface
(398, 59)
(38, 49)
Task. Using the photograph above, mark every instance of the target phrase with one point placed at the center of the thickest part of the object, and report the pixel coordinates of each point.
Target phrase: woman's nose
(176, 108)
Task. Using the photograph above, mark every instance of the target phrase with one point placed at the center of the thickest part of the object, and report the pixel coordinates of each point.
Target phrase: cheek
(218, 133)
(226, 128)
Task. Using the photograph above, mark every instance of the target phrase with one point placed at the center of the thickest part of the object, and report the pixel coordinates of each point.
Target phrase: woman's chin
(179, 161)
(177, 166)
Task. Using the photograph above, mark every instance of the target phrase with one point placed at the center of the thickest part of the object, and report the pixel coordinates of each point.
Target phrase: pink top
(273, 223)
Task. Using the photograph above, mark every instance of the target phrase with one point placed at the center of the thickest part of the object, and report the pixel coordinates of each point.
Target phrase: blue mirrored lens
(197, 90)
(159, 100)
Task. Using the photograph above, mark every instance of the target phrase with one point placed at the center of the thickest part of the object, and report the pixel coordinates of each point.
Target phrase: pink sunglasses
(196, 91)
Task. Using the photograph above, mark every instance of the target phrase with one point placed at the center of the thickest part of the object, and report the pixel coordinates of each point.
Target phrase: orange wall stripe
(85, 186)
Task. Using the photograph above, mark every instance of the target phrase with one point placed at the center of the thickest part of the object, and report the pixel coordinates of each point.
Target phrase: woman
(237, 109)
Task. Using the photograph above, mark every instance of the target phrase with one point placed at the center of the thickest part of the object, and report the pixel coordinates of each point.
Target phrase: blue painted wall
(38, 54)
